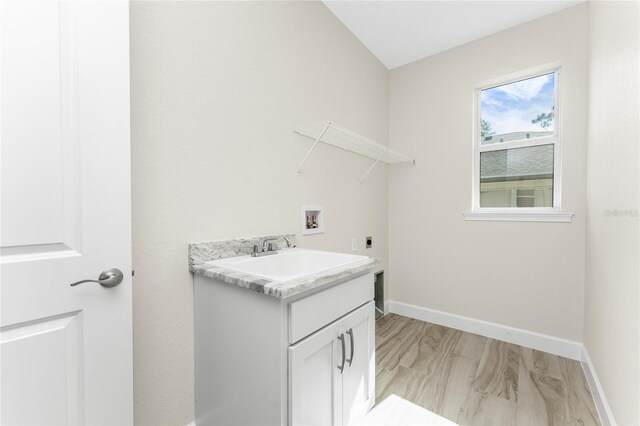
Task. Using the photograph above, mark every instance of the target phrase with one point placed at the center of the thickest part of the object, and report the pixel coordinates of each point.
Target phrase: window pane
(526, 198)
(519, 177)
(520, 110)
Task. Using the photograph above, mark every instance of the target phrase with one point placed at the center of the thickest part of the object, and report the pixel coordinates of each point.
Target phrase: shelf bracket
(313, 147)
(370, 168)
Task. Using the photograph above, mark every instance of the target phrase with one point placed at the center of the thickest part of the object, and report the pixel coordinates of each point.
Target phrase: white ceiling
(400, 32)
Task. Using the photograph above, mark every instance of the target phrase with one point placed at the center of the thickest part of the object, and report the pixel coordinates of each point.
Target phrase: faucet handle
(255, 248)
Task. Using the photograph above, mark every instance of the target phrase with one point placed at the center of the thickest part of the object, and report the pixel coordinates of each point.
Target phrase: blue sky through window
(511, 107)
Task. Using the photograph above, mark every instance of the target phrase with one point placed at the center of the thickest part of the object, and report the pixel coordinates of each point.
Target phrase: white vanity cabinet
(331, 372)
(264, 360)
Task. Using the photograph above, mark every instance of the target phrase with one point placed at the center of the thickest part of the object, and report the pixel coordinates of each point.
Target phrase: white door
(315, 379)
(65, 205)
(359, 373)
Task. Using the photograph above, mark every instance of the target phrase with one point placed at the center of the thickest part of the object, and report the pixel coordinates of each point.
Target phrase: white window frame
(531, 214)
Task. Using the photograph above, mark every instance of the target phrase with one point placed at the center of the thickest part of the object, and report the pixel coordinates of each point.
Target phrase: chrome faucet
(266, 249)
(270, 247)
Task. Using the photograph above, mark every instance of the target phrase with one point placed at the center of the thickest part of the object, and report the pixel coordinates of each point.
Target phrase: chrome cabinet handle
(109, 278)
(350, 333)
(341, 337)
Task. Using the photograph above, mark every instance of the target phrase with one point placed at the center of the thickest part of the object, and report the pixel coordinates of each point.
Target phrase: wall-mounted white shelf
(334, 134)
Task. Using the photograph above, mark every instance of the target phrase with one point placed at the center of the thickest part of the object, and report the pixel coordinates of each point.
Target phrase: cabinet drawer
(314, 312)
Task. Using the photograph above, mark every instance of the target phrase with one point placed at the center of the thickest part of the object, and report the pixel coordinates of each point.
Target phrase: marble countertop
(199, 264)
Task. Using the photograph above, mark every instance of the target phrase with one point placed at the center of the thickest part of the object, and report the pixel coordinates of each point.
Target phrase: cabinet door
(315, 380)
(358, 379)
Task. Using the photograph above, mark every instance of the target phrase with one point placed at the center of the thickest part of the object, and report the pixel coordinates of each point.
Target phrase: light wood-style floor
(474, 380)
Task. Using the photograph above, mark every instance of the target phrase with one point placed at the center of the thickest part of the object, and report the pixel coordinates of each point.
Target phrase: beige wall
(216, 90)
(525, 275)
(612, 297)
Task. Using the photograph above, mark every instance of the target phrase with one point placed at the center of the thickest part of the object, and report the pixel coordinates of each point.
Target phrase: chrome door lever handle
(109, 278)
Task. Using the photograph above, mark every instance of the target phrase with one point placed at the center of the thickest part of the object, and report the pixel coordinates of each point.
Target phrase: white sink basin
(290, 264)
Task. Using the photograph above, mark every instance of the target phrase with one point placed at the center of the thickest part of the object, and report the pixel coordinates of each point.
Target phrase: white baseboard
(553, 345)
(604, 411)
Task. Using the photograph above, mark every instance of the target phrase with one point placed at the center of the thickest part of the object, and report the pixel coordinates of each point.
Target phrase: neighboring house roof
(534, 162)
(506, 137)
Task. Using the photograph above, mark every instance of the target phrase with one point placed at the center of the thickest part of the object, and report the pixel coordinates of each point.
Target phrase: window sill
(520, 216)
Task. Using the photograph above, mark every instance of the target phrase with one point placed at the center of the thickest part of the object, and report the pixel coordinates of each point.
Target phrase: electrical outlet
(354, 244)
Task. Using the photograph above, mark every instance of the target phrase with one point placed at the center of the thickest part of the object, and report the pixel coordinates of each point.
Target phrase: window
(517, 143)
